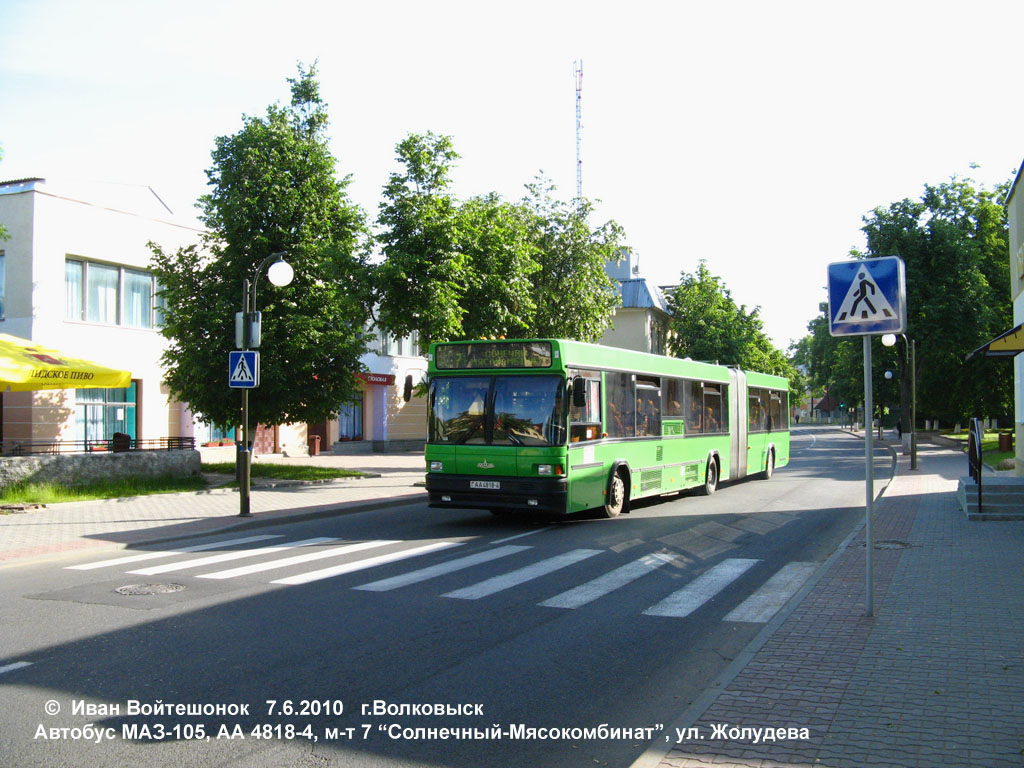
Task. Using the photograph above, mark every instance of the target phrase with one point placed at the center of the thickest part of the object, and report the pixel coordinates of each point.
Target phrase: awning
(1010, 344)
(25, 365)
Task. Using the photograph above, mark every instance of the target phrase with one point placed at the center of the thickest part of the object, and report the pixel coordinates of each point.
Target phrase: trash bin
(1005, 442)
(314, 445)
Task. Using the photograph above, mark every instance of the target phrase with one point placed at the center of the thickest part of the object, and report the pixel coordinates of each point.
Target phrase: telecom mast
(578, 73)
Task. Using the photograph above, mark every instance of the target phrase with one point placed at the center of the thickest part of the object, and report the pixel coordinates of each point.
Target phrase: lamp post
(889, 340)
(248, 330)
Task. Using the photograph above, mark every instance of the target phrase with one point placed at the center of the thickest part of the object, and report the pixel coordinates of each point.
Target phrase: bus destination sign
(500, 354)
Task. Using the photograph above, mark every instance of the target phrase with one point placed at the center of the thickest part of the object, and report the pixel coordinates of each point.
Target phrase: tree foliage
(274, 189)
(574, 296)
(707, 324)
(487, 267)
(954, 243)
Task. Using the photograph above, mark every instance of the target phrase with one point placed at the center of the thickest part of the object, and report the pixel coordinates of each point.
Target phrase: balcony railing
(15, 447)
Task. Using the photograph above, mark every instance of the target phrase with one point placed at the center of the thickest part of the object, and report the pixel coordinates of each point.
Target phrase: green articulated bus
(552, 426)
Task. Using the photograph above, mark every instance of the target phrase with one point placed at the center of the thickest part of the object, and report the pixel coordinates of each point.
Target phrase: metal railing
(16, 447)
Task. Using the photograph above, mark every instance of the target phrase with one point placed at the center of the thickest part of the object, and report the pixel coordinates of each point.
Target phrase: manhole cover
(149, 589)
(891, 545)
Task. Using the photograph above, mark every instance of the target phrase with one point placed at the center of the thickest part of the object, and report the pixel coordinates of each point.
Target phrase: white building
(73, 275)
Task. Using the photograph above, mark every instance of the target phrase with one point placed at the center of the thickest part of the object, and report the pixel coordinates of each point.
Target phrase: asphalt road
(539, 629)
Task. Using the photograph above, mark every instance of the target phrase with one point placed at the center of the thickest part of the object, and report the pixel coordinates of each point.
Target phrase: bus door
(739, 424)
(587, 476)
(757, 423)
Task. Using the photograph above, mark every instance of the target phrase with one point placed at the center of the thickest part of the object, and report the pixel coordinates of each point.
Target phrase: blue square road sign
(244, 369)
(867, 297)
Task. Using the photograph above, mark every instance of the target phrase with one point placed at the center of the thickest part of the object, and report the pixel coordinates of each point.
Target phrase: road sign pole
(244, 459)
(869, 471)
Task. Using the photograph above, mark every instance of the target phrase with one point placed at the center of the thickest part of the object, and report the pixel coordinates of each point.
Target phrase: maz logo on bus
(485, 465)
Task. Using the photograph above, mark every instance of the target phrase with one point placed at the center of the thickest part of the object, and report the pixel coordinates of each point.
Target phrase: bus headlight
(550, 469)
(437, 466)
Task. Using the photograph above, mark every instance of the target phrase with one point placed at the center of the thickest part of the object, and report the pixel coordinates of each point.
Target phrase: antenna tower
(578, 73)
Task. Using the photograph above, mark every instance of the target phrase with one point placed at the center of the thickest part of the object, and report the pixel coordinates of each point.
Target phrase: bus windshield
(497, 410)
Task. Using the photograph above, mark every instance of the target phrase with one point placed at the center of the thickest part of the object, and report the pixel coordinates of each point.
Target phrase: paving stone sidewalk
(935, 678)
(124, 522)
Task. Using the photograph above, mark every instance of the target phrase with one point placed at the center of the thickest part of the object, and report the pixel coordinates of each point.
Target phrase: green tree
(422, 280)
(574, 296)
(273, 189)
(495, 237)
(707, 324)
(487, 267)
(954, 241)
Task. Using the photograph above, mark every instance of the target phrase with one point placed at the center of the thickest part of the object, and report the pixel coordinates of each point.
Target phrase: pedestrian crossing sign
(867, 297)
(244, 369)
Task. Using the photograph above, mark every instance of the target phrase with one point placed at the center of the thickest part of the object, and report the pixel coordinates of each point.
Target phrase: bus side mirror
(407, 391)
(579, 393)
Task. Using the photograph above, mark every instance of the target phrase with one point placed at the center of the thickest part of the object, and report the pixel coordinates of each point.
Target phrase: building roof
(638, 294)
(134, 199)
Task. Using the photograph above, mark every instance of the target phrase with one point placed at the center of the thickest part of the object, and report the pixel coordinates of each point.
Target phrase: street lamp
(248, 330)
(889, 340)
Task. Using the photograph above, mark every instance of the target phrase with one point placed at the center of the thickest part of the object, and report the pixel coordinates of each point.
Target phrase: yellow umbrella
(25, 365)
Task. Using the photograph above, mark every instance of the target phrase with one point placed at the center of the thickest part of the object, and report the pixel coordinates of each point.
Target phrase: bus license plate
(491, 485)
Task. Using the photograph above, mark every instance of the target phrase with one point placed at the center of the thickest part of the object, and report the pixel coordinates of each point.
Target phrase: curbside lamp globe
(280, 273)
(888, 340)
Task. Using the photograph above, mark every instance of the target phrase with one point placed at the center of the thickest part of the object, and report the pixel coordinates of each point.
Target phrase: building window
(99, 413)
(110, 295)
(350, 421)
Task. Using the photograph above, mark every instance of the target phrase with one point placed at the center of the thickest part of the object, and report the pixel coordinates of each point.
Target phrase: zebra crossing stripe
(414, 577)
(169, 552)
(766, 602)
(326, 573)
(620, 577)
(224, 556)
(691, 597)
(294, 560)
(514, 578)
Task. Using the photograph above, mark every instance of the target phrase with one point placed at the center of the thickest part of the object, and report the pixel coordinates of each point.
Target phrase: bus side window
(585, 422)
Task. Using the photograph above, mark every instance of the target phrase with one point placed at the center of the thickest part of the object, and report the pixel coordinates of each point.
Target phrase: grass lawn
(990, 453)
(54, 493)
(283, 471)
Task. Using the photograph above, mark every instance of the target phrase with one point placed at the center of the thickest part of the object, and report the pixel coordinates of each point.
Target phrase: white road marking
(766, 602)
(326, 573)
(519, 536)
(514, 578)
(620, 577)
(414, 577)
(168, 553)
(14, 666)
(294, 560)
(700, 590)
(224, 556)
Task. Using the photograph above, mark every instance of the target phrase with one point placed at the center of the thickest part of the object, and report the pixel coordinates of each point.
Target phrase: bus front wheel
(616, 496)
(711, 478)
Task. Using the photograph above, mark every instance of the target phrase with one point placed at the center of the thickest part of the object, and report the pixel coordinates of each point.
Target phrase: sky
(753, 135)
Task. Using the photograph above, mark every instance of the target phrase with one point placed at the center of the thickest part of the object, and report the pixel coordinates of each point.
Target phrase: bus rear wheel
(711, 478)
(769, 467)
(616, 496)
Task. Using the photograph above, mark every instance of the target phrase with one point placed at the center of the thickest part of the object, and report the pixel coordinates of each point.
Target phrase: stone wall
(84, 468)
